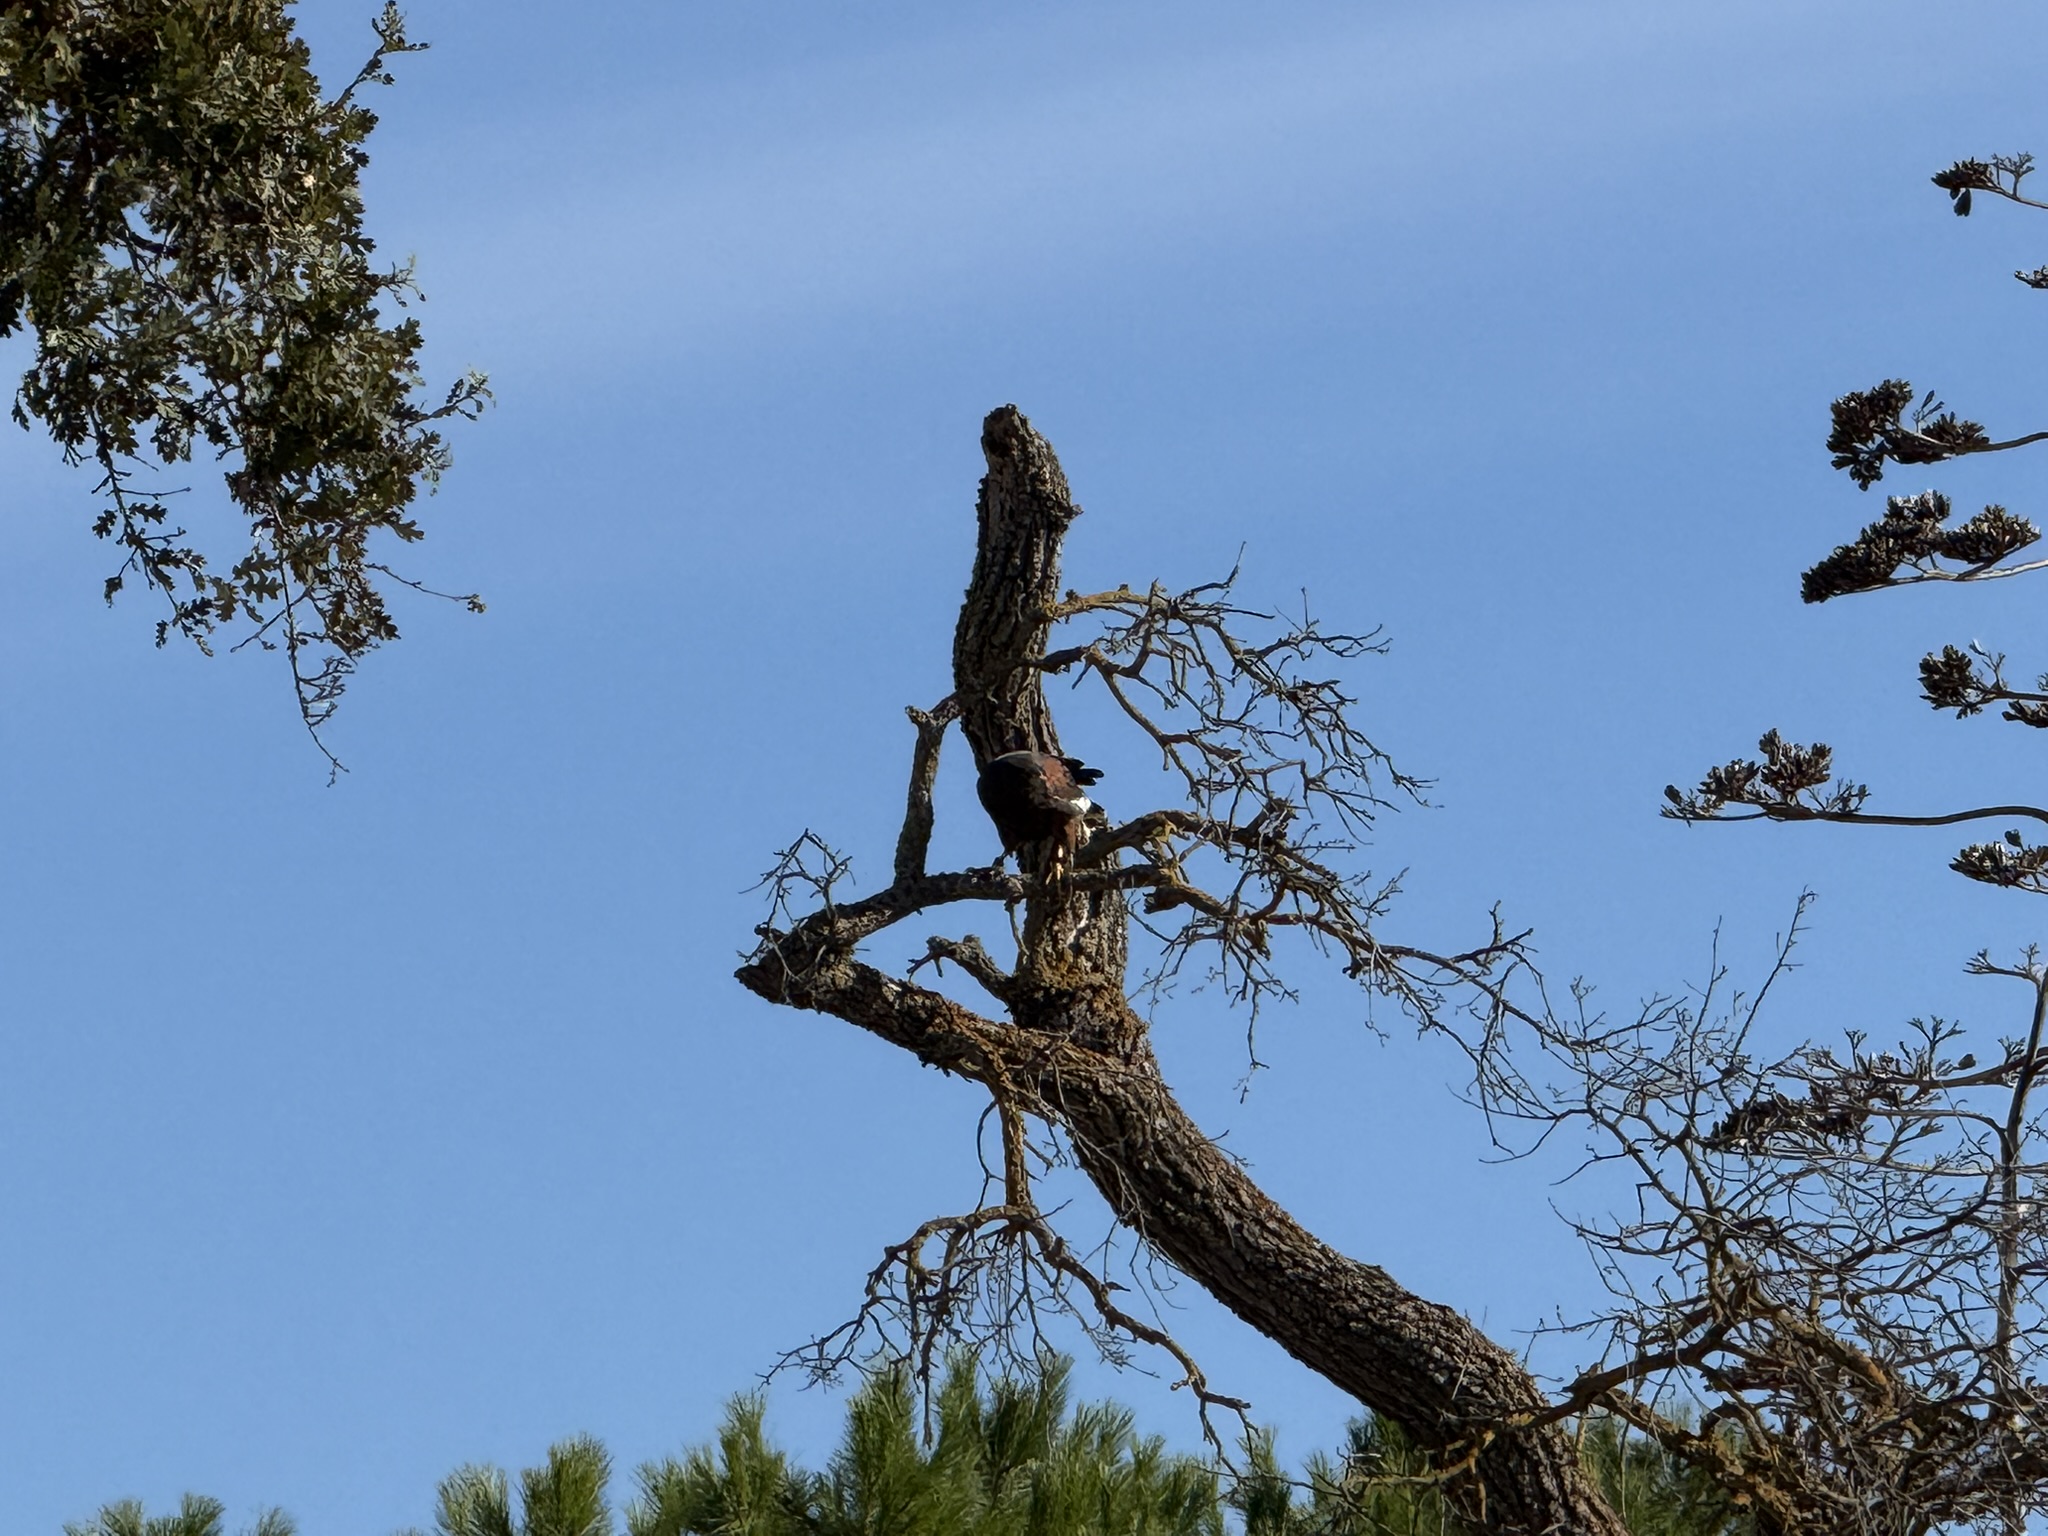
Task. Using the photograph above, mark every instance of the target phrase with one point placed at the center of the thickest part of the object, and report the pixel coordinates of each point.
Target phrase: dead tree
(1841, 1251)
(1278, 780)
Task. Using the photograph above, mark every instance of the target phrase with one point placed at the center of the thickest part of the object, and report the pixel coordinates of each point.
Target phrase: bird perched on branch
(1037, 799)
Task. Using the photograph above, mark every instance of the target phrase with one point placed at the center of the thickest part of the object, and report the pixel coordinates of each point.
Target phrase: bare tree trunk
(1076, 1054)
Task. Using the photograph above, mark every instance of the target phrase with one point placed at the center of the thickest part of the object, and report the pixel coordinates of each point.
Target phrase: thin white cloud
(778, 201)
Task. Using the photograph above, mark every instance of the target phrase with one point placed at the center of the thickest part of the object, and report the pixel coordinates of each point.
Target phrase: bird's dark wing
(1030, 797)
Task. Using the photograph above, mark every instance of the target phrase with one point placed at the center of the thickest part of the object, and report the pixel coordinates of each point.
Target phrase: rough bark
(1074, 1053)
(1418, 1363)
(1021, 518)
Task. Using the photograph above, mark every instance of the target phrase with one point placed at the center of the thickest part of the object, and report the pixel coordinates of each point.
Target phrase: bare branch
(1256, 731)
(1841, 1254)
(990, 1279)
(916, 837)
(972, 958)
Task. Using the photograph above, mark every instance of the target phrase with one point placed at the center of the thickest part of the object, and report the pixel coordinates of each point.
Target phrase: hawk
(1033, 797)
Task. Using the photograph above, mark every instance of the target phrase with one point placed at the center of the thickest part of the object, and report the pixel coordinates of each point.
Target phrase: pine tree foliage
(1381, 1485)
(564, 1497)
(181, 230)
(197, 1516)
(1655, 1492)
(1009, 1456)
(738, 1484)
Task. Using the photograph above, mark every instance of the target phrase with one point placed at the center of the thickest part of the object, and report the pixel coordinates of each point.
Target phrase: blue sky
(350, 1134)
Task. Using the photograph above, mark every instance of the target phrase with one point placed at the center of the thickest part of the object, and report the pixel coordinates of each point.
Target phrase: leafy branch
(181, 227)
